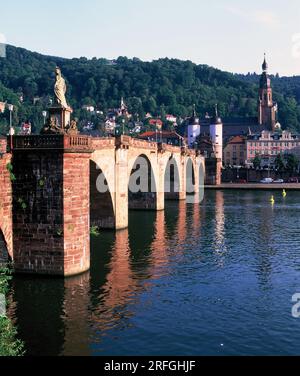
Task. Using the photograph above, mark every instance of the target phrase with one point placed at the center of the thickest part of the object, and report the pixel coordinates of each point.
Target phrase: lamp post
(238, 172)
(11, 130)
(44, 113)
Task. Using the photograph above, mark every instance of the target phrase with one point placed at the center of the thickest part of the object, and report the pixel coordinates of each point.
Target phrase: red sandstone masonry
(38, 228)
(3, 145)
(51, 236)
(5, 197)
(76, 191)
(51, 233)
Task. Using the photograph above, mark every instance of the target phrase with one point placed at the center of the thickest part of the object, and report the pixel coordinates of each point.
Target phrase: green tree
(256, 161)
(9, 344)
(171, 83)
(292, 163)
(279, 163)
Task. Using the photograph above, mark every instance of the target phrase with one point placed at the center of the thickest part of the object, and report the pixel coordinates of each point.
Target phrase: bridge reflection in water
(183, 281)
(57, 316)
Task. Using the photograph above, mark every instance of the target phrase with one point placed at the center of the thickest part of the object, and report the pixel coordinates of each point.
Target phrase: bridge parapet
(80, 143)
(66, 143)
(3, 145)
(127, 141)
(134, 142)
(168, 148)
(103, 142)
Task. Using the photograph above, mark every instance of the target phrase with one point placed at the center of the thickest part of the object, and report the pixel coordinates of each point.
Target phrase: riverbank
(256, 186)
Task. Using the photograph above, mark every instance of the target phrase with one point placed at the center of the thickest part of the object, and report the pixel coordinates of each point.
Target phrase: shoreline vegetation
(10, 345)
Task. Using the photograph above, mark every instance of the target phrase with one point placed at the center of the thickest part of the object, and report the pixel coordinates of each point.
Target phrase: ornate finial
(216, 119)
(194, 111)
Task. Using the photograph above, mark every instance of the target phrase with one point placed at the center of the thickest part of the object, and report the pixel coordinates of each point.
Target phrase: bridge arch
(142, 187)
(102, 205)
(172, 184)
(4, 255)
(190, 174)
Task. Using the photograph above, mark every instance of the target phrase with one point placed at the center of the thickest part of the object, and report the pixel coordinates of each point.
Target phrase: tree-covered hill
(159, 87)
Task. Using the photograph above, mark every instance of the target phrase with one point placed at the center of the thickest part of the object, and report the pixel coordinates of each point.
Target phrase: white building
(216, 135)
(193, 129)
(110, 125)
(88, 108)
(171, 118)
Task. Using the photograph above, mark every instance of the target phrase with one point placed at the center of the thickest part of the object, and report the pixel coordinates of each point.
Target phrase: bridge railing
(103, 142)
(38, 142)
(80, 143)
(170, 148)
(47, 142)
(135, 142)
(3, 145)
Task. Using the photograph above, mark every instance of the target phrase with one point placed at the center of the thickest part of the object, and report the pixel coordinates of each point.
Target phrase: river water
(210, 279)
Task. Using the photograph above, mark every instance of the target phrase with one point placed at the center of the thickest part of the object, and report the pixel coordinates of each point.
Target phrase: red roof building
(156, 123)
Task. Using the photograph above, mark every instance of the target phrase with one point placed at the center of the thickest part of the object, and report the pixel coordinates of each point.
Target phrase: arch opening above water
(172, 180)
(190, 177)
(4, 256)
(142, 192)
(102, 214)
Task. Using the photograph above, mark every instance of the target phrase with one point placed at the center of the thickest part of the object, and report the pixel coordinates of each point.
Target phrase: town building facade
(268, 145)
(235, 152)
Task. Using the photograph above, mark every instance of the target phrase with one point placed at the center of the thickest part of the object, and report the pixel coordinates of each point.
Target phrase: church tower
(267, 110)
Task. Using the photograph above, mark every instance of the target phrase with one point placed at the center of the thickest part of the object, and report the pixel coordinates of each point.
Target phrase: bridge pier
(121, 189)
(5, 202)
(51, 227)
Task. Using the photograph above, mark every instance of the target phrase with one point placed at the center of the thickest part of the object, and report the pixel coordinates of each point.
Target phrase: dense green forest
(159, 87)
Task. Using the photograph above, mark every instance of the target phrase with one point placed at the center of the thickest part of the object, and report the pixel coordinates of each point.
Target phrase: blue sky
(228, 34)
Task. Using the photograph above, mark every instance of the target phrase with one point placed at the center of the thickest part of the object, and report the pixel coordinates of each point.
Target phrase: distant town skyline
(225, 34)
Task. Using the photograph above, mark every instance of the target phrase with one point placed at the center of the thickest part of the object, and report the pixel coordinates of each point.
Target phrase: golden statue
(60, 89)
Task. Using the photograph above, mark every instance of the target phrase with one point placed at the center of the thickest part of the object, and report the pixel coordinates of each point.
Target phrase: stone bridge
(50, 196)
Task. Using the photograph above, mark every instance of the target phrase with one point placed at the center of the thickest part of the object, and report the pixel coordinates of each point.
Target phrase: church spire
(194, 111)
(265, 64)
(216, 118)
(267, 110)
(216, 110)
(194, 118)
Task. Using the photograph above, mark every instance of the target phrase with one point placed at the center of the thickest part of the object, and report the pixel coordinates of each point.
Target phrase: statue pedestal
(59, 121)
(60, 116)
